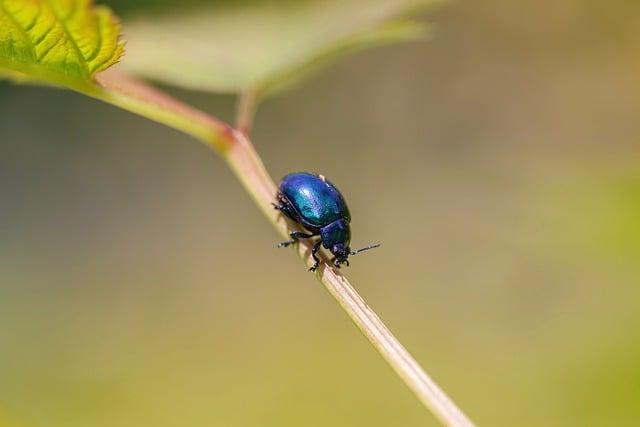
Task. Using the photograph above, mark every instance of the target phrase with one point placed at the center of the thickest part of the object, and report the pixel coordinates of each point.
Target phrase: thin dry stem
(237, 150)
(251, 172)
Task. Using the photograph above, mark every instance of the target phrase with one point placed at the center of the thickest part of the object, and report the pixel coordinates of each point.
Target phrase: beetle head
(341, 254)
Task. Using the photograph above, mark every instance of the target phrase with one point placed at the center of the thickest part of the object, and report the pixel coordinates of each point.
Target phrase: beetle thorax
(336, 233)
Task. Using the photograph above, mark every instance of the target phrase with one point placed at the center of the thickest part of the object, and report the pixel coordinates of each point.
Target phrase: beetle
(318, 206)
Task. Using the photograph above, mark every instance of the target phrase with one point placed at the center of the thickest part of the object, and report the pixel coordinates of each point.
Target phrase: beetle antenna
(366, 248)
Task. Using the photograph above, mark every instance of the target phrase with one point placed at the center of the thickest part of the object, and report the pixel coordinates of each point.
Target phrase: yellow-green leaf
(57, 41)
(68, 42)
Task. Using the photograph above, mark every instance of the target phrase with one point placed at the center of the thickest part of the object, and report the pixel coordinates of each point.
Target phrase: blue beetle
(317, 205)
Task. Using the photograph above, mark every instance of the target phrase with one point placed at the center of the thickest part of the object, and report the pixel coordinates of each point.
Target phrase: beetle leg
(316, 248)
(284, 208)
(295, 236)
(335, 264)
(280, 207)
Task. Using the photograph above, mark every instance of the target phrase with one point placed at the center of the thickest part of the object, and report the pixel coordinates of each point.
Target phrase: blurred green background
(498, 163)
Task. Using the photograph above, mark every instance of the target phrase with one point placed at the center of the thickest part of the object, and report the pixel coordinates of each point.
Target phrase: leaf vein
(99, 42)
(81, 60)
(35, 19)
(23, 34)
(106, 59)
(49, 48)
(44, 36)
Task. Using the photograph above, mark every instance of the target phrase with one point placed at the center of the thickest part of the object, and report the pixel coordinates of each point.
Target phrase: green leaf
(63, 42)
(264, 46)
(68, 42)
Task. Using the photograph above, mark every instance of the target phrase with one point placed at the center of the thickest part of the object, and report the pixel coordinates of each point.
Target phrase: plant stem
(245, 111)
(235, 147)
(249, 169)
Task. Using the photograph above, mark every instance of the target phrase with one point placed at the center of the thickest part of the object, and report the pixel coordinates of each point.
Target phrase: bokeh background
(498, 163)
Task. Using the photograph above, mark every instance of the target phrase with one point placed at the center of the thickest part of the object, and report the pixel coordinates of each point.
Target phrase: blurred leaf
(57, 41)
(392, 32)
(265, 46)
